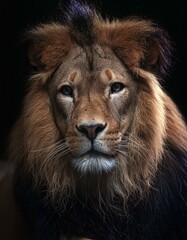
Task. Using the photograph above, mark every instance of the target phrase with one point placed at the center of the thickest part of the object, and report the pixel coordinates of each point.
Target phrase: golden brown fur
(153, 120)
(99, 151)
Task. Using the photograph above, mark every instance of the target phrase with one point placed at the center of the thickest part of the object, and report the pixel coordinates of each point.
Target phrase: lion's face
(92, 104)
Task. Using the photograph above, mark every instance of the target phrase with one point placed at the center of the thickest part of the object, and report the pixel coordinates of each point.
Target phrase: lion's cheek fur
(148, 131)
(40, 135)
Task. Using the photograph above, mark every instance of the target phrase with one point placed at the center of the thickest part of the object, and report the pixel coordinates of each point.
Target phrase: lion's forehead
(91, 61)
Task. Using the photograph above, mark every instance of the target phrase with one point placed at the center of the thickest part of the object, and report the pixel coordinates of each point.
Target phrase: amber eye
(67, 90)
(116, 87)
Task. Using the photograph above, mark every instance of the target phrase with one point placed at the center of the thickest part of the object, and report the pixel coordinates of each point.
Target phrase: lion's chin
(94, 162)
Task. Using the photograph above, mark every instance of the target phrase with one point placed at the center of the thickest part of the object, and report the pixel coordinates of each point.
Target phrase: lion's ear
(48, 45)
(157, 52)
(139, 43)
(151, 52)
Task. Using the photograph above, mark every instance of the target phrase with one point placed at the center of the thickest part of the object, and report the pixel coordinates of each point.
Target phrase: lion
(100, 149)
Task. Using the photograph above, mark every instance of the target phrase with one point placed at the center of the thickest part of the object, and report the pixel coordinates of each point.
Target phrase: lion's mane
(157, 142)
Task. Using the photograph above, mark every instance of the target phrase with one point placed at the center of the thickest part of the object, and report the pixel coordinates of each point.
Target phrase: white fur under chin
(94, 163)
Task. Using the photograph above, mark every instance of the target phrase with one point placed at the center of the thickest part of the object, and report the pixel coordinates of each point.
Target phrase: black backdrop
(17, 16)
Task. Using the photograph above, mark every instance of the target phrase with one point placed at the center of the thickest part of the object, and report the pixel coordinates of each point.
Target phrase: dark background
(18, 16)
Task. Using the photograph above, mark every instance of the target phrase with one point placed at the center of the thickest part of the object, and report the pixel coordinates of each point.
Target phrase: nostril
(100, 128)
(91, 130)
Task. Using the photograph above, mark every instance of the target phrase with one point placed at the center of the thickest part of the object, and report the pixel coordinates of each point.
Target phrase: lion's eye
(116, 87)
(67, 90)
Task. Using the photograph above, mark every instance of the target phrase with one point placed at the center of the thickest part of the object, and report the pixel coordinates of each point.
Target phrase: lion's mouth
(94, 162)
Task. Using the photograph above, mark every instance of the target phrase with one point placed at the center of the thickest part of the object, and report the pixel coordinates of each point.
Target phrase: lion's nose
(91, 130)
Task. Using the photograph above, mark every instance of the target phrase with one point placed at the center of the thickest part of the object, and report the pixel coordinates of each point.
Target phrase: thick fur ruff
(100, 78)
